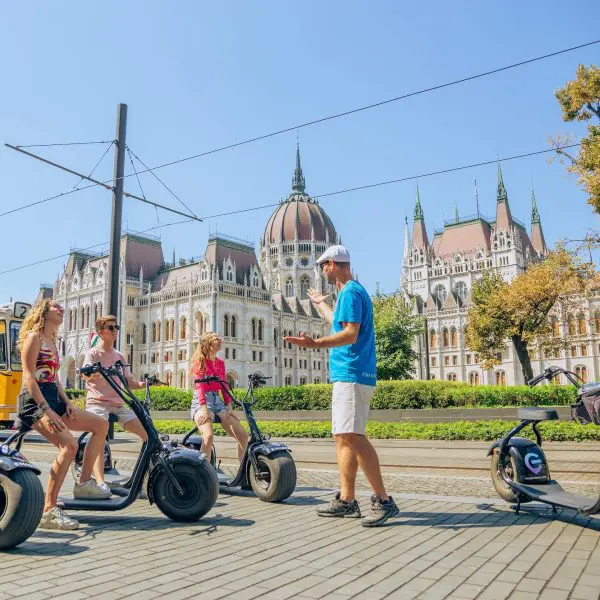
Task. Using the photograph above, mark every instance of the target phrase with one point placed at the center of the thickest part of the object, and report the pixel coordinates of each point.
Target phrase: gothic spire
(535, 214)
(502, 196)
(418, 216)
(298, 183)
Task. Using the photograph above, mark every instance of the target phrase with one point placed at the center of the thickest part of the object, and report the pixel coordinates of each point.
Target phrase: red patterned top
(46, 364)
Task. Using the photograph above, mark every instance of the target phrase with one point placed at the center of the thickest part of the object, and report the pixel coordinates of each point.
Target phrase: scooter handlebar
(89, 370)
(209, 379)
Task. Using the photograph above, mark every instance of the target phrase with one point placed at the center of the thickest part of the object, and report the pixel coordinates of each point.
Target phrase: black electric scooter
(180, 480)
(267, 466)
(21, 493)
(519, 468)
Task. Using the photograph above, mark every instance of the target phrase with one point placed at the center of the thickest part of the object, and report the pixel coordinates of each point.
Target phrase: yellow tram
(11, 318)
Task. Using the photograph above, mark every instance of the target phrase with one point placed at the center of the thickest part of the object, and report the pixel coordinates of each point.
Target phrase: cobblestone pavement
(244, 548)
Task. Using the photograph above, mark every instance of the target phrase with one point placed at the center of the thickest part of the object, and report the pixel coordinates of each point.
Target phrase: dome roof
(299, 217)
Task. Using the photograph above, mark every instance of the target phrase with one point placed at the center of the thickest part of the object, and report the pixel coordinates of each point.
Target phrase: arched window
(500, 378)
(304, 285)
(453, 337)
(158, 331)
(440, 294)
(153, 332)
(183, 328)
(169, 378)
(597, 321)
(74, 318)
(289, 287)
(87, 316)
(233, 326)
(288, 380)
(433, 338)
(555, 327)
(451, 377)
(572, 325)
(581, 324)
(445, 338)
(229, 273)
(232, 379)
(253, 329)
(474, 378)
(70, 320)
(100, 311)
(275, 338)
(260, 330)
(172, 324)
(82, 317)
(461, 290)
(182, 379)
(582, 372)
(95, 313)
(226, 325)
(144, 333)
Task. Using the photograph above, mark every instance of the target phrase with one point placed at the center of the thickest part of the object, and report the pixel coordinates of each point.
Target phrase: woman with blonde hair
(207, 403)
(44, 406)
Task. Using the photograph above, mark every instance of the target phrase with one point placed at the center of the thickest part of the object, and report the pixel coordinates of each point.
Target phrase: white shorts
(350, 407)
(123, 413)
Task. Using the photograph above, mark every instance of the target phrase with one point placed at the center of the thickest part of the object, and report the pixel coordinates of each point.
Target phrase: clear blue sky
(198, 75)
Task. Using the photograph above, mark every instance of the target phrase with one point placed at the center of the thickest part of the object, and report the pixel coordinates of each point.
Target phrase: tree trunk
(523, 356)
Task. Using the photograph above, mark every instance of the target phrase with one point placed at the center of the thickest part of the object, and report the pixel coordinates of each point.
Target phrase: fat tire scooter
(21, 493)
(181, 481)
(267, 466)
(519, 468)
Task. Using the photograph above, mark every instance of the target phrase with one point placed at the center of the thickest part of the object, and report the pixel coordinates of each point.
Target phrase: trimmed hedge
(388, 395)
(484, 431)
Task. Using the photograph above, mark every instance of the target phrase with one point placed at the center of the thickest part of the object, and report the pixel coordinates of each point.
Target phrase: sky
(199, 75)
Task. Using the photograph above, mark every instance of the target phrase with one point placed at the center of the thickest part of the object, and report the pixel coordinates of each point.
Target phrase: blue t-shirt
(354, 363)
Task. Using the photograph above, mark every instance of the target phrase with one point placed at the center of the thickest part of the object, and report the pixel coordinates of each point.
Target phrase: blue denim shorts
(214, 403)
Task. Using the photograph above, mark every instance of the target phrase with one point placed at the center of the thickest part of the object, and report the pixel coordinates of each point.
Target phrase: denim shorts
(214, 404)
(29, 408)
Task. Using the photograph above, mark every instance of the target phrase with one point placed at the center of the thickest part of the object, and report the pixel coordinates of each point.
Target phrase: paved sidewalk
(438, 548)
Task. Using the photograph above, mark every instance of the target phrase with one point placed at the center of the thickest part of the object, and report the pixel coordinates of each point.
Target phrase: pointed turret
(298, 183)
(419, 232)
(503, 216)
(406, 239)
(537, 235)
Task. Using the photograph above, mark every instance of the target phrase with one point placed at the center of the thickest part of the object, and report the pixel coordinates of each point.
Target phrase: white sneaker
(90, 491)
(56, 518)
(104, 487)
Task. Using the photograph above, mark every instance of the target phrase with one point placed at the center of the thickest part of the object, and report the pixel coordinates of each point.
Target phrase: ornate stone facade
(165, 307)
(439, 277)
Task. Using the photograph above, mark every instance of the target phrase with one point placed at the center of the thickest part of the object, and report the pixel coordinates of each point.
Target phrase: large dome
(299, 217)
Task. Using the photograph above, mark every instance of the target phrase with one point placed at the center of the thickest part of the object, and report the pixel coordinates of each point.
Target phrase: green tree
(519, 311)
(580, 101)
(395, 329)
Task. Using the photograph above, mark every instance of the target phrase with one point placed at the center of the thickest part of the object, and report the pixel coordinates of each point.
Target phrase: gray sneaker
(56, 518)
(90, 491)
(340, 508)
(380, 511)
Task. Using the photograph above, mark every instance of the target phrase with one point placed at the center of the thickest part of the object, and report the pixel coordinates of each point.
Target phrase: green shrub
(484, 431)
(388, 395)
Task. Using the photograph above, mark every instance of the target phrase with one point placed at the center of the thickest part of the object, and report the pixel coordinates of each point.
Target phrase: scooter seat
(536, 413)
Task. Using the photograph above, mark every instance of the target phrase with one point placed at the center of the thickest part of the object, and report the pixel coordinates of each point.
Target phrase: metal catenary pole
(117, 214)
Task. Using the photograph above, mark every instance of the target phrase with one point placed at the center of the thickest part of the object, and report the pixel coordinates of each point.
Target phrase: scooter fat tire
(282, 477)
(502, 489)
(20, 510)
(201, 489)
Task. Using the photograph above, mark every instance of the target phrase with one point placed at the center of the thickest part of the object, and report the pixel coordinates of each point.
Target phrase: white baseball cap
(336, 253)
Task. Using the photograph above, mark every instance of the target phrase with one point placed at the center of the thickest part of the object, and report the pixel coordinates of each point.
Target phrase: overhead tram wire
(344, 191)
(100, 183)
(399, 180)
(313, 122)
(66, 144)
(96, 165)
(370, 106)
(148, 170)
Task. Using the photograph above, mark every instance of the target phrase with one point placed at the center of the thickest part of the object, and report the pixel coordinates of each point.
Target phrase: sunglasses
(322, 265)
(112, 327)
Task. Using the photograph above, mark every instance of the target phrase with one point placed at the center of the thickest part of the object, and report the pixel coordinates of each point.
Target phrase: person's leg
(67, 446)
(206, 431)
(366, 458)
(234, 429)
(135, 426)
(81, 420)
(347, 465)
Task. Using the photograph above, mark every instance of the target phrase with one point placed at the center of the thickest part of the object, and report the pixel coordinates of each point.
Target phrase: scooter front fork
(171, 475)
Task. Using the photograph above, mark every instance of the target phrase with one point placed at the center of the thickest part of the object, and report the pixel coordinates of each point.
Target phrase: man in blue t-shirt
(352, 370)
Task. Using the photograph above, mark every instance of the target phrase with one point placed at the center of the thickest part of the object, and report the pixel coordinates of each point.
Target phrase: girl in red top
(207, 402)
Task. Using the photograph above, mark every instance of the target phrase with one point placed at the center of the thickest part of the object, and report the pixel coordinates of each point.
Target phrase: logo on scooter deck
(534, 463)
